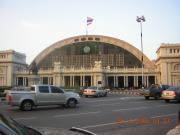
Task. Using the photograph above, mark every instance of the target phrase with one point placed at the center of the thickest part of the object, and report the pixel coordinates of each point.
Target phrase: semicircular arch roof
(96, 38)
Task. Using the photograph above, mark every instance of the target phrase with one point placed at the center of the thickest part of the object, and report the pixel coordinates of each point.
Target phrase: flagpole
(89, 21)
(86, 30)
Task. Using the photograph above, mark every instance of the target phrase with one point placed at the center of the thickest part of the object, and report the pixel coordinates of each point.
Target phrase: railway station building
(91, 60)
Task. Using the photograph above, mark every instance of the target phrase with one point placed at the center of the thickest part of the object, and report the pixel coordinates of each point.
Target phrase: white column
(95, 80)
(81, 80)
(63, 80)
(137, 81)
(91, 80)
(127, 85)
(84, 81)
(124, 81)
(73, 80)
(70, 80)
(114, 81)
(134, 81)
(23, 81)
(147, 81)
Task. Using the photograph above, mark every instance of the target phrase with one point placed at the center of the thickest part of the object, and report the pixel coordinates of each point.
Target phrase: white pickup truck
(42, 95)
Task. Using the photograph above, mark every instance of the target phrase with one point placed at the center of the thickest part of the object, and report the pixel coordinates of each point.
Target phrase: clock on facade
(86, 49)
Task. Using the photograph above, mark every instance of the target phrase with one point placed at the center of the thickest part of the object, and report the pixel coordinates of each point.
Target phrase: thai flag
(89, 20)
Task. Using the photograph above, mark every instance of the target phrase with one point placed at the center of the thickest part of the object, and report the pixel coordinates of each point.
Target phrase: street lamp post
(140, 20)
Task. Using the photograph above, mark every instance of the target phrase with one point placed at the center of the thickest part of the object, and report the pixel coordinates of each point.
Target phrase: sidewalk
(175, 131)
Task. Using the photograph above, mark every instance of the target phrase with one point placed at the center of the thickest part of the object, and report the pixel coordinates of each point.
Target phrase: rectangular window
(76, 40)
(44, 89)
(170, 50)
(97, 39)
(83, 39)
(90, 38)
(45, 80)
(174, 50)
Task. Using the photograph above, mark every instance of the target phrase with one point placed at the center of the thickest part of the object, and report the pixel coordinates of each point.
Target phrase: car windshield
(92, 87)
(152, 87)
(174, 89)
(15, 127)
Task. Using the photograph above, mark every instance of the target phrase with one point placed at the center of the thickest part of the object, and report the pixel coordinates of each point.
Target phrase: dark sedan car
(172, 93)
(153, 91)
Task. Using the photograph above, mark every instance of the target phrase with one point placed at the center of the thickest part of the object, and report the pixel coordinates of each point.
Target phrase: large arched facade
(94, 60)
(95, 41)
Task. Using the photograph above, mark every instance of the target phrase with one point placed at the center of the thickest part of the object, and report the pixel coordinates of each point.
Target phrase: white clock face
(86, 49)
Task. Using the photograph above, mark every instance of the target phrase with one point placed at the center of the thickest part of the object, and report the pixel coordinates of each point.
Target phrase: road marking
(106, 100)
(166, 115)
(30, 118)
(123, 98)
(67, 115)
(111, 104)
(127, 121)
(164, 105)
(127, 109)
(103, 100)
(106, 104)
(137, 108)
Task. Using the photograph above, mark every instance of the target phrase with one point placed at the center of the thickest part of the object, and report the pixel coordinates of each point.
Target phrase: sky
(30, 26)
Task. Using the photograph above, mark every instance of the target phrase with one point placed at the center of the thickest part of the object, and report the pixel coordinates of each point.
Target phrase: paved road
(116, 114)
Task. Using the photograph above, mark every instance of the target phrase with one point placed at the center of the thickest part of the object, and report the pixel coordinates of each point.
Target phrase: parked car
(172, 93)
(153, 91)
(9, 126)
(40, 95)
(95, 91)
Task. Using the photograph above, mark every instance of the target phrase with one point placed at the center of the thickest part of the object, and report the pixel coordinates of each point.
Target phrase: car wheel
(86, 96)
(98, 95)
(167, 100)
(27, 106)
(71, 103)
(105, 94)
(146, 97)
(157, 96)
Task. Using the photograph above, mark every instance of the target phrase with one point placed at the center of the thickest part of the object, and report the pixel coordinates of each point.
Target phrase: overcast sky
(29, 26)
